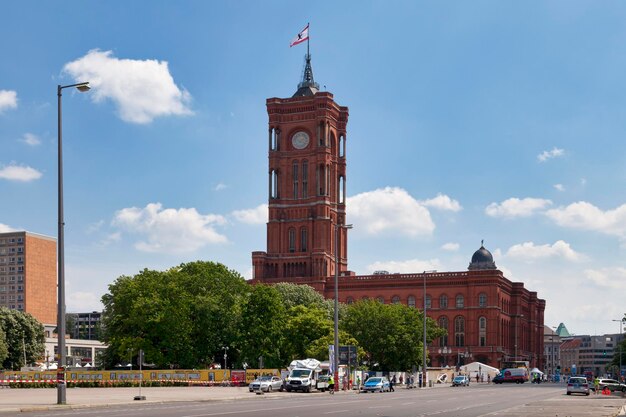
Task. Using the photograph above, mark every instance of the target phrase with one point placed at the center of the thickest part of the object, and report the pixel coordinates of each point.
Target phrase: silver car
(577, 385)
(266, 384)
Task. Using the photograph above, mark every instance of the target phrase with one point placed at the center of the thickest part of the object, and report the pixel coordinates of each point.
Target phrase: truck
(303, 374)
(517, 375)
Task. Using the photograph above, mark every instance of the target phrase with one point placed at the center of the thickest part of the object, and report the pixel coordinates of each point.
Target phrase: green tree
(262, 322)
(391, 334)
(23, 335)
(304, 327)
(4, 348)
(179, 317)
(299, 295)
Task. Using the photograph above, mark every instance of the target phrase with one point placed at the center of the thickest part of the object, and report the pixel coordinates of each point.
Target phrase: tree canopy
(21, 335)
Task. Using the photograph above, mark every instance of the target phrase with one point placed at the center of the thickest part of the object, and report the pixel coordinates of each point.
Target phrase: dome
(482, 259)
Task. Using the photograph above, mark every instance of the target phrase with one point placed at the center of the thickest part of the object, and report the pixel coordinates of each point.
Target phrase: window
(295, 179)
(482, 331)
(305, 178)
(482, 300)
(460, 301)
(443, 301)
(303, 239)
(292, 240)
(395, 299)
(411, 301)
(443, 323)
(428, 301)
(459, 331)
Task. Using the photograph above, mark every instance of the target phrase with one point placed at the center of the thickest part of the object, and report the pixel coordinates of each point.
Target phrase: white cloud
(257, 215)
(170, 230)
(389, 210)
(6, 228)
(14, 172)
(608, 278)
(8, 100)
(515, 207)
(411, 266)
(443, 202)
(111, 238)
(30, 139)
(452, 247)
(221, 186)
(586, 216)
(81, 301)
(554, 153)
(141, 90)
(529, 252)
(559, 187)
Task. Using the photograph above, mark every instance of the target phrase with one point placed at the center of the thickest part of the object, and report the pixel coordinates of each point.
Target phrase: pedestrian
(331, 384)
(477, 378)
(358, 382)
(488, 379)
(401, 379)
(391, 382)
(596, 385)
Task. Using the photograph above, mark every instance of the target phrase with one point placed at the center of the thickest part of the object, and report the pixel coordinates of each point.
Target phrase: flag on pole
(300, 37)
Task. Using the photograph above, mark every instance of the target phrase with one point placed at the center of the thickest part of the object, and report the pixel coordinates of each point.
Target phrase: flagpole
(308, 38)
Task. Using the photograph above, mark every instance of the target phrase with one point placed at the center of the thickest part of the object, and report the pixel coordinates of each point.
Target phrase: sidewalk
(40, 399)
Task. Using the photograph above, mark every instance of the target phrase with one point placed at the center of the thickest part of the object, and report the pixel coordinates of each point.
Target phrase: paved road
(476, 400)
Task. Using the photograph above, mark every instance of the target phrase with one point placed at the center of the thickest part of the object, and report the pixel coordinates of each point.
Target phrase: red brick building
(489, 318)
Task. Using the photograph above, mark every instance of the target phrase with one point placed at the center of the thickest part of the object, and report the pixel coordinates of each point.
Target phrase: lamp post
(225, 357)
(61, 397)
(516, 317)
(424, 329)
(619, 373)
(336, 319)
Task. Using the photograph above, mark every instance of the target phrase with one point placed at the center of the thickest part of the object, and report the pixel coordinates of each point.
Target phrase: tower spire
(307, 87)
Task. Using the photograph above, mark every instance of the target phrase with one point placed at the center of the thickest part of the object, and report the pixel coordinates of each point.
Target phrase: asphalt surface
(476, 400)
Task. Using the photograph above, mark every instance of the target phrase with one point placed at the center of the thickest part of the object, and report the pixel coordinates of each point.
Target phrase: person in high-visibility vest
(331, 384)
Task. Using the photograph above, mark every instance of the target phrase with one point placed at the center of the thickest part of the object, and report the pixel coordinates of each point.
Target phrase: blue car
(376, 383)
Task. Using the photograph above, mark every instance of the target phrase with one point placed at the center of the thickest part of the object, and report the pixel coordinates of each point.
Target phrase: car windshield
(300, 373)
(265, 378)
(374, 380)
(459, 378)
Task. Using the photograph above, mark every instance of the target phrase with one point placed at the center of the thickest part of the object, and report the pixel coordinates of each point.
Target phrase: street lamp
(424, 329)
(516, 317)
(225, 357)
(336, 347)
(619, 373)
(61, 397)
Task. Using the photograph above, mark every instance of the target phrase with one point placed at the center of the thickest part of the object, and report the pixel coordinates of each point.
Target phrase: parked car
(461, 380)
(611, 384)
(577, 385)
(376, 383)
(322, 383)
(266, 384)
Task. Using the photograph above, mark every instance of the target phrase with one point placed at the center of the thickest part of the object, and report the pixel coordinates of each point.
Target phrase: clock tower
(306, 187)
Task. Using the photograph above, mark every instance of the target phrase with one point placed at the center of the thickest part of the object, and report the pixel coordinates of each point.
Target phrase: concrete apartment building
(28, 274)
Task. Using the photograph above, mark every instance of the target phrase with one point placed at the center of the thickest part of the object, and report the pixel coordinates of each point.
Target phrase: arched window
(428, 301)
(443, 323)
(304, 238)
(411, 301)
(295, 179)
(395, 299)
(482, 331)
(349, 300)
(305, 178)
(482, 300)
(460, 301)
(459, 331)
(443, 301)
(292, 240)
(380, 299)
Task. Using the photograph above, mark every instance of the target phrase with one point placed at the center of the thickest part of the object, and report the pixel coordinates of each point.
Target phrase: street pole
(336, 318)
(619, 373)
(61, 393)
(424, 374)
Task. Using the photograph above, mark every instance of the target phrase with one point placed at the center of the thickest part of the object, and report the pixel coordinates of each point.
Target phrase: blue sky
(493, 120)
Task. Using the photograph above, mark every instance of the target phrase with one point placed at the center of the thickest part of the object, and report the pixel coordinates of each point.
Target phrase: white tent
(478, 368)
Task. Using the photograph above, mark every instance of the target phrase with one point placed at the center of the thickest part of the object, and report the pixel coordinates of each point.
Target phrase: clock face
(300, 140)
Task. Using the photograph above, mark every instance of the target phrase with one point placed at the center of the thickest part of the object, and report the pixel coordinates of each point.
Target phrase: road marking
(336, 411)
(408, 403)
